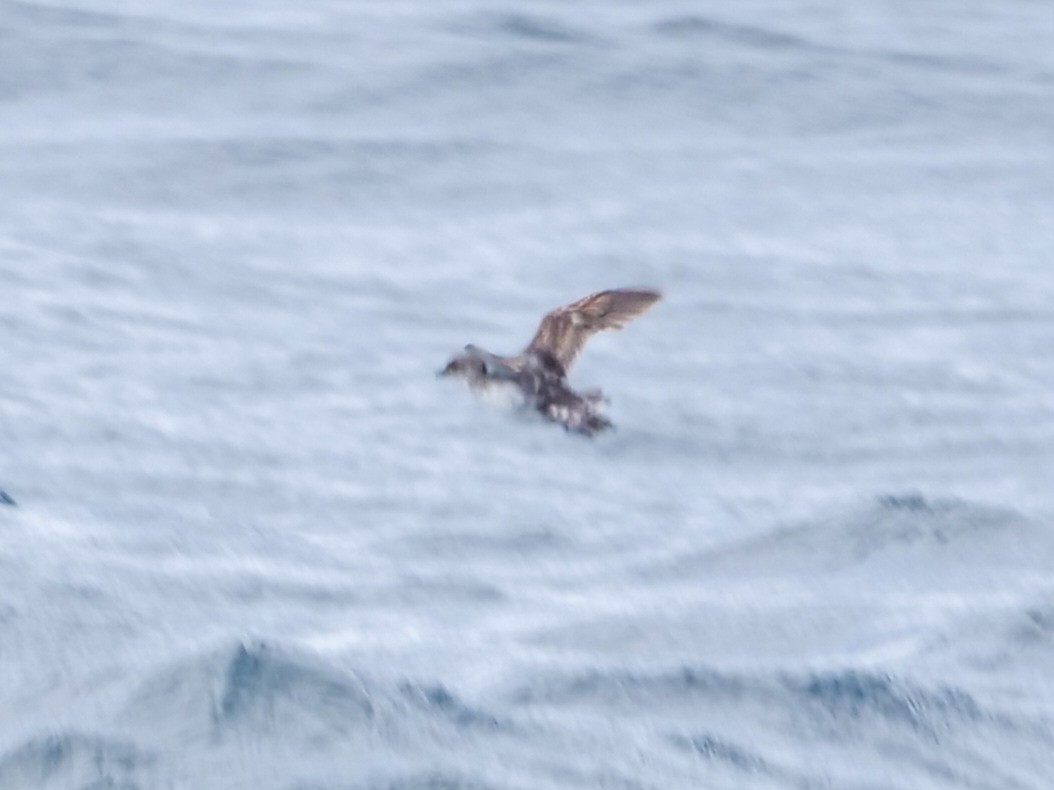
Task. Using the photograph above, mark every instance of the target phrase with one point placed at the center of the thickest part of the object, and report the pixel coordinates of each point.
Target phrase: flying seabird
(539, 372)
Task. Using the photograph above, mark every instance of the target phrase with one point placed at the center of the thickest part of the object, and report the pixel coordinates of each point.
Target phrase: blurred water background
(257, 545)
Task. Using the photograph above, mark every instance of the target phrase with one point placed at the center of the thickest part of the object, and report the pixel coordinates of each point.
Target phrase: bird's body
(539, 372)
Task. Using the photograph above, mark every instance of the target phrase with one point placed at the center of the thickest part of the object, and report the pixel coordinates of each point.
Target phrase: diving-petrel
(540, 370)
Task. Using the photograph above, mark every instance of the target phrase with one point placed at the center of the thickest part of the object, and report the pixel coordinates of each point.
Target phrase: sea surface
(252, 542)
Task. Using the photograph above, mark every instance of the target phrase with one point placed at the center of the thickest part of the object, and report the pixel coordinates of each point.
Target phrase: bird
(539, 372)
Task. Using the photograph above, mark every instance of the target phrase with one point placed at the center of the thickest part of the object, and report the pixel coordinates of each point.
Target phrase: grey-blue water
(253, 543)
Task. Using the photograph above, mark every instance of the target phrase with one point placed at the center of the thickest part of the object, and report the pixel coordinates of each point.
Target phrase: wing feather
(564, 331)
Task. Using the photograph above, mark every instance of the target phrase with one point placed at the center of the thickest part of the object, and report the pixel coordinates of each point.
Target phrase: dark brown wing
(565, 330)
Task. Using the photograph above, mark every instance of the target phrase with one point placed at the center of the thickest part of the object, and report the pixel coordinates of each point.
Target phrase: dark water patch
(912, 503)
(717, 750)
(692, 26)
(280, 696)
(1022, 635)
(832, 699)
(464, 543)
(523, 27)
(1000, 641)
(254, 687)
(623, 686)
(1036, 626)
(432, 781)
(912, 518)
(970, 64)
(74, 759)
(720, 753)
(495, 78)
(258, 681)
(439, 700)
(535, 27)
(911, 529)
(851, 697)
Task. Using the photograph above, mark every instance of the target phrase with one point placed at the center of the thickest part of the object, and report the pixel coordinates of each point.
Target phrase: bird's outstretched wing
(565, 330)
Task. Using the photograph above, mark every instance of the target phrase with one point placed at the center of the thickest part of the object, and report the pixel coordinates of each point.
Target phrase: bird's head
(478, 367)
(468, 366)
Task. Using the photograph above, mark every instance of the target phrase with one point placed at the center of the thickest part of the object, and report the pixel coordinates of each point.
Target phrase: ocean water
(252, 542)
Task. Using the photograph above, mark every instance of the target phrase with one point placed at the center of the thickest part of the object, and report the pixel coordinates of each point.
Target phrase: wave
(280, 703)
(427, 780)
(300, 720)
(256, 689)
(693, 26)
(533, 28)
(771, 725)
(265, 688)
(909, 530)
(75, 759)
(844, 696)
(1015, 640)
(848, 697)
